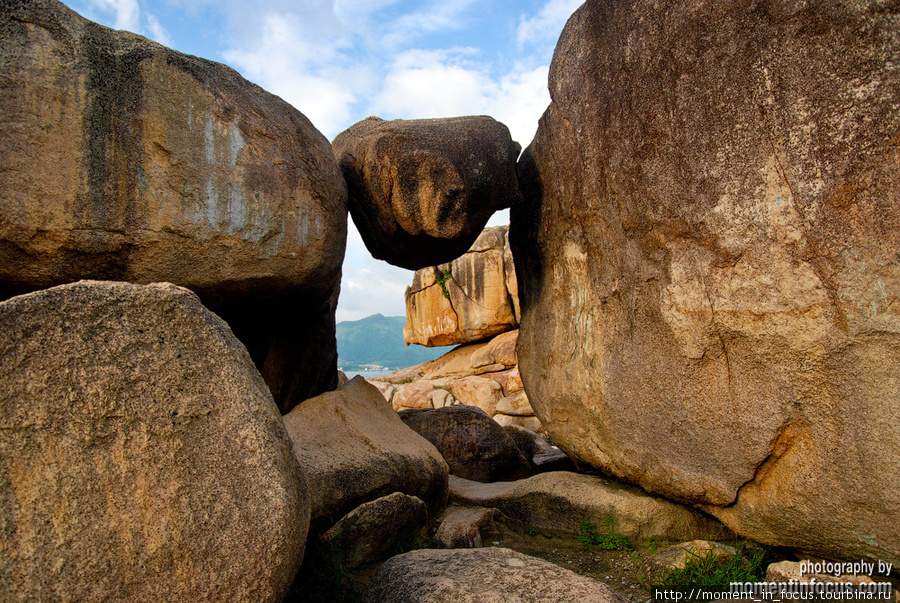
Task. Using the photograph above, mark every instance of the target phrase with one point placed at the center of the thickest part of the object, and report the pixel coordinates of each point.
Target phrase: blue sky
(339, 61)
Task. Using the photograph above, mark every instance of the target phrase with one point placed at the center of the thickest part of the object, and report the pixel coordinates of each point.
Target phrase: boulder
(481, 392)
(562, 501)
(484, 575)
(421, 190)
(141, 455)
(707, 262)
(125, 160)
(372, 530)
(465, 300)
(465, 527)
(677, 556)
(353, 448)
(474, 446)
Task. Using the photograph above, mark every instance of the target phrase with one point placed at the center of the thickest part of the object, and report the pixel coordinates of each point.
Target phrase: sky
(339, 61)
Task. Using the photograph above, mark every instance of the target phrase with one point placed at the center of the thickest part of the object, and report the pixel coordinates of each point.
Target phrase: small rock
(372, 530)
(465, 527)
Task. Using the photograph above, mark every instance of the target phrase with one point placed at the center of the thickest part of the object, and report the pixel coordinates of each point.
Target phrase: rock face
(474, 445)
(371, 531)
(125, 160)
(472, 298)
(354, 448)
(481, 575)
(560, 501)
(141, 455)
(422, 190)
(707, 262)
(479, 374)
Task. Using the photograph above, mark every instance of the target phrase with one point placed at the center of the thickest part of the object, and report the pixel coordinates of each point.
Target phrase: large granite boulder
(353, 449)
(469, 299)
(125, 160)
(421, 190)
(142, 457)
(708, 261)
(481, 576)
(474, 445)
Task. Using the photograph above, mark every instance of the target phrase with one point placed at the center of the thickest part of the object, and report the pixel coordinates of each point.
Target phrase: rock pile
(479, 374)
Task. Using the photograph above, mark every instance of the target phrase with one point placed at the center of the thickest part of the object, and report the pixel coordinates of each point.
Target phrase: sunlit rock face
(708, 261)
(472, 298)
(126, 160)
(142, 457)
(421, 190)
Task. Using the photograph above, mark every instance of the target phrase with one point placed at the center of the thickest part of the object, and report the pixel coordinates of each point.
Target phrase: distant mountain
(378, 340)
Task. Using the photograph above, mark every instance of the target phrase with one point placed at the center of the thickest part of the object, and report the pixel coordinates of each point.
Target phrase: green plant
(609, 540)
(442, 281)
(531, 532)
(652, 544)
(748, 564)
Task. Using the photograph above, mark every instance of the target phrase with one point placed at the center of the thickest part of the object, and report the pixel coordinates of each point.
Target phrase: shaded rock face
(481, 575)
(353, 448)
(560, 501)
(474, 445)
(125, 160)
(421, 190)
(141, 455)
(707, 261)
(472, 298)
(372, 530)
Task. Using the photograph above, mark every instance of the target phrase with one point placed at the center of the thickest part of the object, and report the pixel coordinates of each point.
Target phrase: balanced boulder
(421, 190)
(708, 261)
(125, 160)
(353, 449)
(142, 457)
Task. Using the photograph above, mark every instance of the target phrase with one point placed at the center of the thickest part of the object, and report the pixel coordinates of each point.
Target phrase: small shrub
(445, 276)
(609, 540)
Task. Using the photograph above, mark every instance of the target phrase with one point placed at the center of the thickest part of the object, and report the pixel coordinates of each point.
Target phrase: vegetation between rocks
(609, 539)
(748, 564)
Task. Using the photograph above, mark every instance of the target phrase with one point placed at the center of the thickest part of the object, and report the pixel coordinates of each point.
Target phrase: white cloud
(157, 33)
(127, 12)
(423, 84)
(547, 24)
(312, 75)
(369, 286)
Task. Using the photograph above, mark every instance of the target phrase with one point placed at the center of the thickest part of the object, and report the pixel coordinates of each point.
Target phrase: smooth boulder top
(352, 445)
(142, 457)
(708, 262)
(421, 191)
